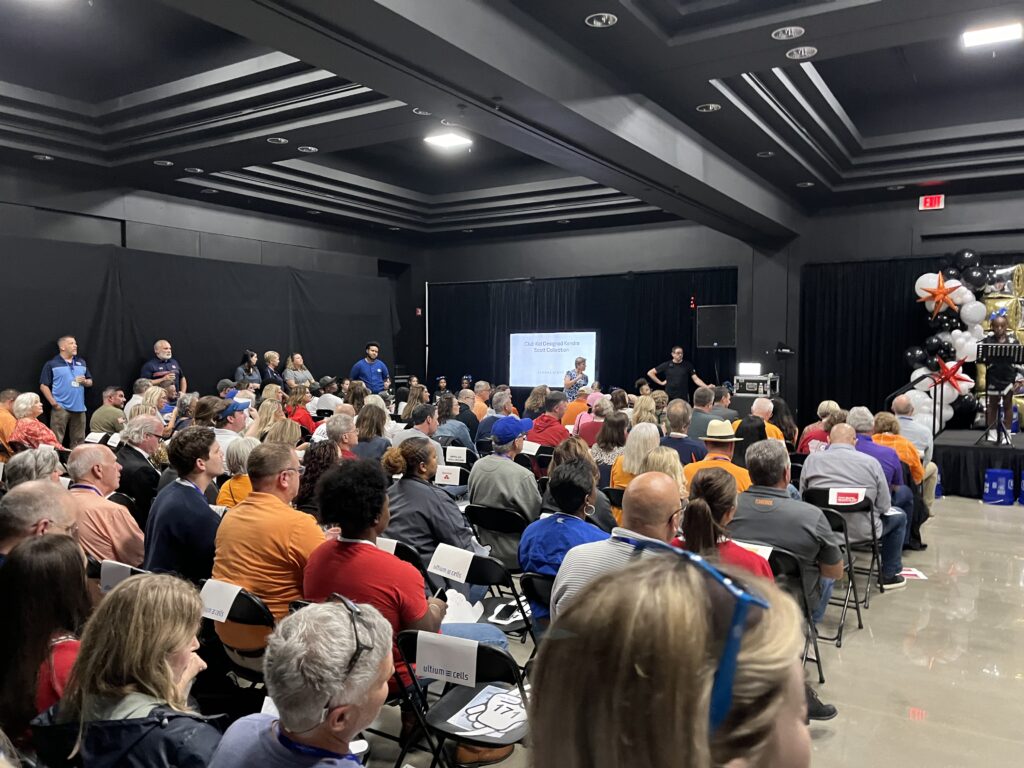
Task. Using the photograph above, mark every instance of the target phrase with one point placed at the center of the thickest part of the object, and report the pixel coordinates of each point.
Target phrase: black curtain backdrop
(638, 317)
(117, 302)
(856, 319)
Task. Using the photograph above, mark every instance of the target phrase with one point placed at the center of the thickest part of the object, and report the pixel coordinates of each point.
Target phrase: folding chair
(537, 589)
(125, 501)
(543, 458)
(323, 413)
(819, 498)
(523, 461)
(250, 610)
(484, 447)
(614, 496)
(838, 524)
(491, 572)
(919, 512)
(794, 473)
(542, 485)
(789, 573)
(502, 529)
(494, 667)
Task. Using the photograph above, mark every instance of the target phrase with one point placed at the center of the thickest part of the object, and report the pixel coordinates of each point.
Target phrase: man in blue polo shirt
(63, 382)
(163, 367)
(371, 371)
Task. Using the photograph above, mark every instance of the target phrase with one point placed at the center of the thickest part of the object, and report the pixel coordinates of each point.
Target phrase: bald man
(651, 510)
(107, 530)
(35, 508)
(763, 408)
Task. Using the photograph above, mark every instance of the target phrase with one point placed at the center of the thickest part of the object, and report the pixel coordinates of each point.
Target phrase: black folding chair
(819, 498)
(543, 458)
(614, 496)
(794, 473)
(404, 552)
(125, 501)
(509, 612)
(919, 512)
(250, 610)
(324, 413)
(537, 589)
(501, 529)
(788, 573)
(484, 447)
(838, 524)
(542, 485)
(494, 667)
(523, 461)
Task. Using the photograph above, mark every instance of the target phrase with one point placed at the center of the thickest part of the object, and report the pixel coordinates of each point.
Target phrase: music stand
(999, 353)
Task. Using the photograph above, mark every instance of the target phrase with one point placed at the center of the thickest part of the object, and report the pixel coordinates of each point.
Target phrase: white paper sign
(447, 476)
(218, 597)
(94, 437)
(113, 573)
(388, 545)
(269, 707)
(530, 448)
(846, 496)
(65, 481)
(452, 659)
(493, 712)
(2, 465)
(450, 562)
(114, 441)
(757, 549)
(218, 509)
(460, 610)
(455, 454)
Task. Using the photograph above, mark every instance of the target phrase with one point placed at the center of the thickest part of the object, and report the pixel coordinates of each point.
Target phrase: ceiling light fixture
(788, 33)
(42, 157)
(308, 149)
(1004, 33)
(449, 123)
(193, 170)
(896, 187)
(448, 140)
(709, 107)
(209, 191)
(421, 112)
(565, 221)
(313, 212)
(467, 231)
(766, 154)
(277, 140)
(163, 163)
(395, 229)
(801, 52)
(601, 20)
(805, 184)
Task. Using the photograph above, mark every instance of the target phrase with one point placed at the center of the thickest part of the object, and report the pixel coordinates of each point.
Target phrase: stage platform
(962, 464)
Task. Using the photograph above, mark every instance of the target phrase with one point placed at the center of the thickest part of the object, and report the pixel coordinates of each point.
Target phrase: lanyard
(86, 487)
(305, 749)
(189, 482)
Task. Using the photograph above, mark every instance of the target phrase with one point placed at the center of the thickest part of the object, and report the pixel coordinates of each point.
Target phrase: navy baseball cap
(508, 428)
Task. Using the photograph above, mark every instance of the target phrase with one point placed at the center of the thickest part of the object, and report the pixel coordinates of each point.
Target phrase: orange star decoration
(950, 374)
(941, 295)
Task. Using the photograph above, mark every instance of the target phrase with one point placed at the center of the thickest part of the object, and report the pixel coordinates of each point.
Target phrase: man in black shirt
(675, 375)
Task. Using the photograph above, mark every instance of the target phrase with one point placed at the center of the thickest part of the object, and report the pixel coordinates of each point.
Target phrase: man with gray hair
(703, 399)
(35, 508)
(138, 391)
(340, 429)
(763, 408)
(482, 393)
(863, 422)
(106, 530)
(326, 668)
(140, 439)
(40, 463)
(679, 414)
(501, 401)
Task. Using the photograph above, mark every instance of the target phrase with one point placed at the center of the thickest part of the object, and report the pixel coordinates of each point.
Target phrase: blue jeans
(488, 634)
(894, 531)
(826, 594)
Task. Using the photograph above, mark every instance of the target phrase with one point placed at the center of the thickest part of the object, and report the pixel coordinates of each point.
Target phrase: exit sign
(931, 203)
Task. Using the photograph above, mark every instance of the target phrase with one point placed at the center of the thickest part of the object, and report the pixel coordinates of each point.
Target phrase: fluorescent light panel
(992, 35)
(749, 369)
(448, 140)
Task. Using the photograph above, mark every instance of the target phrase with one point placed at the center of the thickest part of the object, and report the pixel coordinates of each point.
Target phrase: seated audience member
(7, 419)
(356, 396)
(815, 436)
(548, 429)
(660, 398)
(534, 405)
(128, 695)
(662, 609)
(237, 488)
(139, 478)
(887, 432)
(466, 415)
(642, 387)
(156, 397)
(325, 693)
(401, 400)
(370, 428)
(44, 599)
(720, 408)
(642, 439)
(182, 528)
(843, 466)
(721, 443)
(296, 407)
(502, 404)
(825, 407)
(620, 401)
(328, 399)
(271, 376)
(921, 437)
(450, 427)
(422, 423)
(227, 389)
(40, 463)
(274, 393)
(766, 514)
(482, 394)
(762, 408)
(206, 411)
(576, 407)
(296, 373)
(29, 430)
(35, 508)
(574, 449)
(418, 395)
(317, 459)
(263, 546)
(678, 413)
(341, 430)
(423, 515)
(248, 373)
(109, 418)
(442, 387)
(644, 412)
(545, 542)
(497, 481)
(706, 517)
(588, 425)
(106, 530)
(703, 398)
(863, 421)
(185, 411)
(610, 444)
(267, 415)
(750, 429)
(229, 423)
(138, 390)
(287, 431)
(651, 510)
(782, 417)
(665, 460)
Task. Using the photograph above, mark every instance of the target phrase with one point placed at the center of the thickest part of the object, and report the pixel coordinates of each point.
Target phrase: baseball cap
(508, 428)
(225, 384)
(326, 381)
(233, 407)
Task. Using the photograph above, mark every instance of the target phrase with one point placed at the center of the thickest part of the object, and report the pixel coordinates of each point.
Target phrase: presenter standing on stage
(999, 378)
(371, 371)
(576, 379)
(673, 375)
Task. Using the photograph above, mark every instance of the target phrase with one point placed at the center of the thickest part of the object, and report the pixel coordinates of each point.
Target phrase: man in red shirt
(548, 428)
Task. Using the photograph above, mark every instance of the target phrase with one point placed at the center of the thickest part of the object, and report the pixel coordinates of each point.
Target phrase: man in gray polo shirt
(703, 399)
(766, 514)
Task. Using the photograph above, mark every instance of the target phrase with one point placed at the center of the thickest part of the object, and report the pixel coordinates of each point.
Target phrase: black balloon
(947, 351)
(951, 273)
(947, 321)
(965, 408)
(932, 344)
(915, 357)
(965, 259)
(974, 277)
(932, 364)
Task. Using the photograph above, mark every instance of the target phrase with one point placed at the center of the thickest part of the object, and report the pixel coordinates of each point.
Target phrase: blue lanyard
(305, 749)
(87, 487)
(189, 482)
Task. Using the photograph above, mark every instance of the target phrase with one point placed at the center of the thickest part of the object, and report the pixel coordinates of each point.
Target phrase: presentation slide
(543, 358)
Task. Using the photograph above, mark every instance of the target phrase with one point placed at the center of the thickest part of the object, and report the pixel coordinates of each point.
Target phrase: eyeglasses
(725, 673)
(70, 530)
(353, 612)
(300, 470)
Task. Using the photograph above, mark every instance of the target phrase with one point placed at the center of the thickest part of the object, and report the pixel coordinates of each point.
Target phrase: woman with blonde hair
(29, 430)
(267, 415)
(645, 412)
(286, 431)
(273, 393)
(534, 405)
(271, 360)
(156, 397)
(127, 700)
(642, 439)
(418, 395)
(665, 460)
(296, 372)
(733, 689)
(825, 407)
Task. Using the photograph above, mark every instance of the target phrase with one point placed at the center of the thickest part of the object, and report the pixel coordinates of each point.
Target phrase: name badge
(455, 454)
(218, 597)
(441, 657)
(450, 562)
(447, 476)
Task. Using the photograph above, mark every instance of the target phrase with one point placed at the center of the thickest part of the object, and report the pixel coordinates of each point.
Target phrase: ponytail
(406, 457)
(712, 496)
(700, 531)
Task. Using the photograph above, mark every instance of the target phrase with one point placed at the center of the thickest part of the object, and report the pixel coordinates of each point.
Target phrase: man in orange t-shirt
(576, 407)
(720, 441)
(7, 420)
(762, 408)
(887, 432)
(482, 390)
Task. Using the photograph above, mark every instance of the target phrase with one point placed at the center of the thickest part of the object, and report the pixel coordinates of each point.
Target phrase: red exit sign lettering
(931, 202)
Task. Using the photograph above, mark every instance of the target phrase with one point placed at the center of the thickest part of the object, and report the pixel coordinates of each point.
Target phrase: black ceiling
(573, 126)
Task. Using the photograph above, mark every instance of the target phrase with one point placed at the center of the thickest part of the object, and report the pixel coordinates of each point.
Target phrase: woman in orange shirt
(887, 432)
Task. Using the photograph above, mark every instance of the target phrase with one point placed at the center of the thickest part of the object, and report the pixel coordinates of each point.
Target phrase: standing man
(371, 371)
(675, 375)
(109, 417)
(63, 382)
(163, 367)
(576, 379)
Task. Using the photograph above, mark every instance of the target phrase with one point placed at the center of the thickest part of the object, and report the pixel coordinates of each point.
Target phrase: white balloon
(945, 335)
(924, 419)
(972, 312)
(916, 397)
(926, 406)
(977, 331)
(970, 351)
(947, 413)
(929, 280)
(958, 336)
(963, 295)
(924, 384)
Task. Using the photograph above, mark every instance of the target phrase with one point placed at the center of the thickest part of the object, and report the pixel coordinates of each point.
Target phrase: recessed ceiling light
(601, 20)
(277, 140)
(395, 229)
(788, 33)
(896, 187)
(766, 154)
(42, 157)
(163, 163)
(805, 184)
(193, 170)
(448, 140)
(709, 107)
(467, 231)
(421, 112)
(308, 149)
(801, 52)
(565, 221)
(991, 35)
(208, 191)
(313, 212)
(449, 123)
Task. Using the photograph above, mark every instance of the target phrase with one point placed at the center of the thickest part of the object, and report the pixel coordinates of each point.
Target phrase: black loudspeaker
(716, 325)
